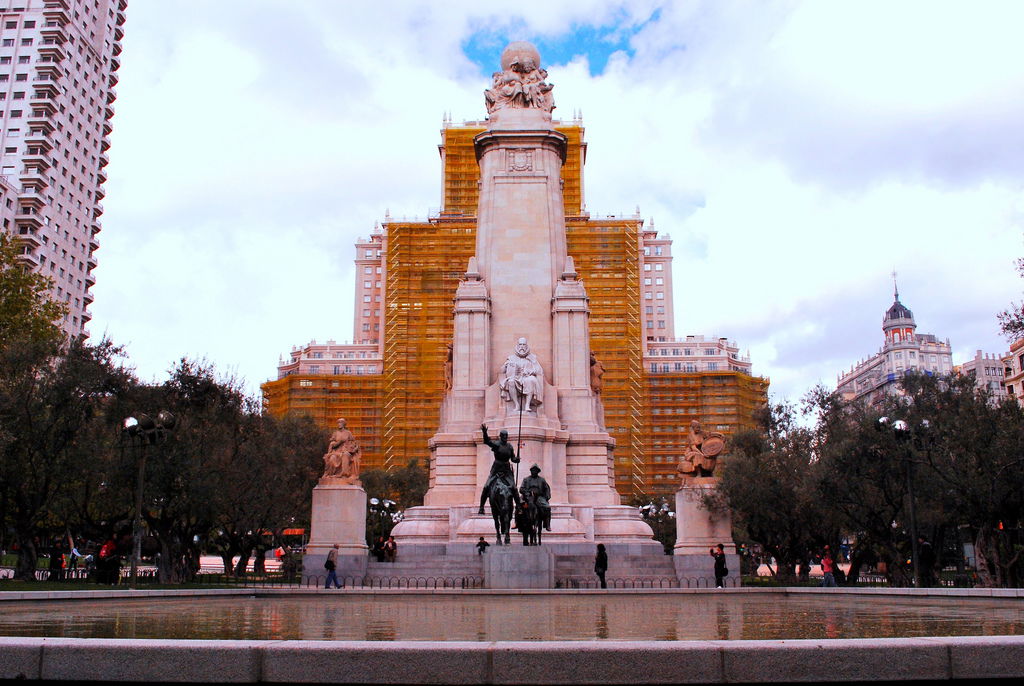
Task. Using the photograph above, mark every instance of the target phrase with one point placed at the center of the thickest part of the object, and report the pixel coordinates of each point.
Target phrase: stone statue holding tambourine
(702, 453)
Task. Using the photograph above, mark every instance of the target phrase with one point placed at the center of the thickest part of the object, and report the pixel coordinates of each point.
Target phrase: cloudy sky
(797, 153)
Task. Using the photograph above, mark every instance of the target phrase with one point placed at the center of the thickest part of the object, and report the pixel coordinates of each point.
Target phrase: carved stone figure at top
(702, 453)
(521, 83)
(342, 460)
(596, 375)
(448, 368)
(521, 381)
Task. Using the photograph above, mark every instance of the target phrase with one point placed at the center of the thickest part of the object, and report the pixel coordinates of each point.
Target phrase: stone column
(520, 247)
(697, 531)
(338, 516)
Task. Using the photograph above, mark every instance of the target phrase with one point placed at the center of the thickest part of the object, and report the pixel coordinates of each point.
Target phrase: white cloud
(796, 152)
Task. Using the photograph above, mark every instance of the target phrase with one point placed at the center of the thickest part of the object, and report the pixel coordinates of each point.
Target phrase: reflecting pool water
(653, 617)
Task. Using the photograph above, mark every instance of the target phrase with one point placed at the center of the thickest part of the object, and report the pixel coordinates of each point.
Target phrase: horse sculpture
(500, 498)
(529, 519)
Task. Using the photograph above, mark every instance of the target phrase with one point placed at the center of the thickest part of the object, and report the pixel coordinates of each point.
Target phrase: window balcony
(33, 222)
(32, 198)
(90, 278)
(88, 298)
(118, 32)
(108, 128)
(46, 87)
(49, 70)
(96, 228)
(39, 140)
(38, 160)
(56, 34)
(109, 112)
(111, 97)
(30, 259)
(117, 49)
(105, 143)
(97, 210)
(104, 159)
(43, 104)
(34, 177)
(115, 62)
(57, 14)
(66, 4)
(101, 177)
(52, 50)
(91, 263)
(99, 194)
(94, 244)
(113, 79)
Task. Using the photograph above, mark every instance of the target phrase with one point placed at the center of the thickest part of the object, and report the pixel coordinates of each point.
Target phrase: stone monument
(339, 511)
(698, 529)
(520, 354)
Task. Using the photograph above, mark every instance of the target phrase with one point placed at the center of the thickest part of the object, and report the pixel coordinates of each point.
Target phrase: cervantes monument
(520, 359)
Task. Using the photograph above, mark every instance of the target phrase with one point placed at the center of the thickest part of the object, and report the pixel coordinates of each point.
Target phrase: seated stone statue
(702, 453)
(521, 381)
(343, 456)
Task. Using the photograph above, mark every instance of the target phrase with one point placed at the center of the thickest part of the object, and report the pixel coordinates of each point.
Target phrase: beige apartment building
(58, 68)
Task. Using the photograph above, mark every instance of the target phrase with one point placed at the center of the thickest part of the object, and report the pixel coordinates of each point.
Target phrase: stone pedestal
(339, 517)
(518, 567)
(697, 531)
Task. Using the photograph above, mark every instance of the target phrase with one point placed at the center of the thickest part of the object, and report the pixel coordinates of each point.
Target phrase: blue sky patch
(597, 43)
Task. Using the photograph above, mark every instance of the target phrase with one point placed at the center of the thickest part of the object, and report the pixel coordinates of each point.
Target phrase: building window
(661, 295)
(712, 366)
(315, 369)
(305, 383)
(648, 296)
(661, 323)
(658, 267)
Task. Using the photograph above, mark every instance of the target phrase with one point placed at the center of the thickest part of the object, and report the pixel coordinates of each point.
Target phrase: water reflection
(518, 618)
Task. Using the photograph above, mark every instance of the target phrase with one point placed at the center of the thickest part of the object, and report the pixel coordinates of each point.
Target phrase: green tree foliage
(1011, 320)
(27, 314)
(405, 487)
(972, 467)
(793, 488)
(52, 407)
(769, 484)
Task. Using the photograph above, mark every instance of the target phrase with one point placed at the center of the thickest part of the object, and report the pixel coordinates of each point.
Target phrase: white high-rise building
(58, 68)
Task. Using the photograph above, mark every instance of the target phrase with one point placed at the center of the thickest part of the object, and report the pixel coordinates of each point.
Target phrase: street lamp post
(148, 432)
(901, 430)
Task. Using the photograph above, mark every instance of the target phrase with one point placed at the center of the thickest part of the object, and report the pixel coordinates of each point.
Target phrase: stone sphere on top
(519, 51)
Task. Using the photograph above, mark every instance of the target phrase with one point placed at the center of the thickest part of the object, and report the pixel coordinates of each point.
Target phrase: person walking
(331, 565)
(828, 568)
(721, 571)
(390, 549)
(481, 546)
(601, 564)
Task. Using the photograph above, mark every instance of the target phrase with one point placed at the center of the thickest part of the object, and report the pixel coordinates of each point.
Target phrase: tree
(769, 484)
(972, 463)
(405, 486)
(51, 405)
(269, 484)
(1011, 320)
(27, 314)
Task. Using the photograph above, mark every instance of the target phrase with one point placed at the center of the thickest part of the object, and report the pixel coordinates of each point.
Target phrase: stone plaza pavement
(933, 659)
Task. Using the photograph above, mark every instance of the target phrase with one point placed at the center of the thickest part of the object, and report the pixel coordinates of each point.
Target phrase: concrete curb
(542, 662)
(257, 592)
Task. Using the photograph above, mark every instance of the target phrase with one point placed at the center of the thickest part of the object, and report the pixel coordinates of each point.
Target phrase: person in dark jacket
(601, 564)
(721, 571)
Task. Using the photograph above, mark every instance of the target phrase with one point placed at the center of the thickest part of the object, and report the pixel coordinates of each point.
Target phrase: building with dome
(903, 351)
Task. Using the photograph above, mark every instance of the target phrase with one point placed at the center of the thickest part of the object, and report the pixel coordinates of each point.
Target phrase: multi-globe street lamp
(141, 431)
(380, 508)
(904, 433)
